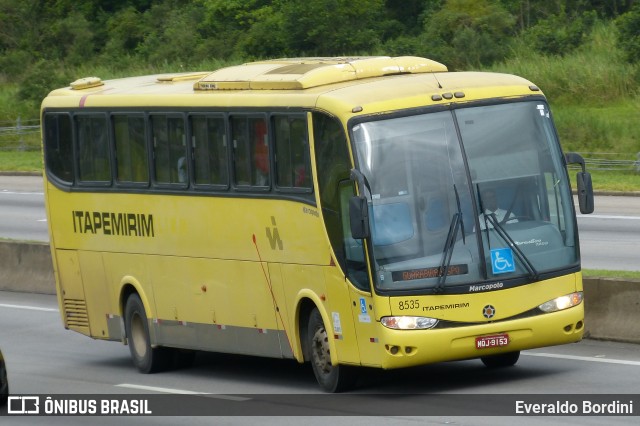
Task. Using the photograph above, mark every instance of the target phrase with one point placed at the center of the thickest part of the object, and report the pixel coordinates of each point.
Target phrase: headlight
(409, 323)
(562, 302)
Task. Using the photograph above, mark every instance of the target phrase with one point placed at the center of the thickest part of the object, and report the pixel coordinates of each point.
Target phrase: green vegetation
(584, 54)
(603, 273)
(21, 161)
(613, 181)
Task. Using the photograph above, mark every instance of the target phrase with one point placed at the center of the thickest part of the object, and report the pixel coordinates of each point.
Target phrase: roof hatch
(86, 83)
(304, 73)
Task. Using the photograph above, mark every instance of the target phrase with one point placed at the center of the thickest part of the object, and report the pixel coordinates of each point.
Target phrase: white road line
(31, 308)
(606, 216)
(4, 191)
(582, 358)
(182, 392)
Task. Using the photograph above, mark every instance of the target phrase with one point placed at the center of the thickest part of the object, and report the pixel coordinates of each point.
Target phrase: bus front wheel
(331, 378)
(146, 358)
(501, 360)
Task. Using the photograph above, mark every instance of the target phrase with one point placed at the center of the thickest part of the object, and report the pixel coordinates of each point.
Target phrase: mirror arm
(575, 158)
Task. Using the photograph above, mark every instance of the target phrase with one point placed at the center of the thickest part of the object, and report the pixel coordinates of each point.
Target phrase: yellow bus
(368, 211)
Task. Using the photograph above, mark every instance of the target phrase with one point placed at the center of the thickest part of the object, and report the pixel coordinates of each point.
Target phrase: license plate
(497, 340)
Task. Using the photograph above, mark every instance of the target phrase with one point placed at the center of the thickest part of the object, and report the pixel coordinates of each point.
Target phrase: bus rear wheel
(331, 378)
(146, 358)
(501, 360)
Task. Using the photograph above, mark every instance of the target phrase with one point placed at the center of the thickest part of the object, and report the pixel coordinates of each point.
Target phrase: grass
(604, 273)
(610, 181)
(593, 74)
(20, 161)
(610, 128)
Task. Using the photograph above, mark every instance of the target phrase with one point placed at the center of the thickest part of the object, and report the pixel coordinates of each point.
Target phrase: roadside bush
(560, 34)
(38, 81)
(628, 26)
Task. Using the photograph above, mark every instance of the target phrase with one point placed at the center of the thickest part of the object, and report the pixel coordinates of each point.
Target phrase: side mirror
(585, 192)
(359, 217)
(583, 181)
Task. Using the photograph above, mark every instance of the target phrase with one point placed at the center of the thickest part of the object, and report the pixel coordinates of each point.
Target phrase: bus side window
(291, 152)
(333, 166)
(58, 147)
(169, 149)
(93, 148)
(356, 264)
(132, 164)
(250, 151)
(209, 145)
(261, 152)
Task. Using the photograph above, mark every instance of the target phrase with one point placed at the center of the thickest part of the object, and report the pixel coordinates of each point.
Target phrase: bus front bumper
(405, 348)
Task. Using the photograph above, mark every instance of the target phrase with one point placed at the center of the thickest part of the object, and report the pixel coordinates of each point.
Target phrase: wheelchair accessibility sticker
(502, 261)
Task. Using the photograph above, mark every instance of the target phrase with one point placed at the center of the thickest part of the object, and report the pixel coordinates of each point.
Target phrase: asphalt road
(22, 214)
(45, 359)
(609, 238)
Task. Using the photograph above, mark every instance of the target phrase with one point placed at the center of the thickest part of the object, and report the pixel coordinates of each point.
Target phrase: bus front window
(513, 153)
(421, 204)
(467, 196)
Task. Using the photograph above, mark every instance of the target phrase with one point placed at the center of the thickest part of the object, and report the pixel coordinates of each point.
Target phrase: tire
(146, 358)
(331, 378)
(502, 360)
(4, 383)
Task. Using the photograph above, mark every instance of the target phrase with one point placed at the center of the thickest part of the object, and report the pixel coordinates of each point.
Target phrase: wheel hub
(320, 351)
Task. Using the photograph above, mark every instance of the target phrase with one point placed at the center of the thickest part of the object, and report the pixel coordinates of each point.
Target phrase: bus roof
(359, 84)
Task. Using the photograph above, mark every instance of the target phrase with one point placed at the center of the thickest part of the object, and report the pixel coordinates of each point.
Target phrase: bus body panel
(198, 301)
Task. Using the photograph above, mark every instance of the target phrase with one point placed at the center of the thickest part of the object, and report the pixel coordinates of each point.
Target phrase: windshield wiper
(456, 224)
(533, 274)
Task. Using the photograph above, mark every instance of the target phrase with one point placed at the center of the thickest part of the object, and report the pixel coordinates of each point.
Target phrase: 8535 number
(404, 305)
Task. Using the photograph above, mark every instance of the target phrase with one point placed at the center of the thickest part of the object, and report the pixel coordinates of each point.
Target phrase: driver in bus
(489, 202)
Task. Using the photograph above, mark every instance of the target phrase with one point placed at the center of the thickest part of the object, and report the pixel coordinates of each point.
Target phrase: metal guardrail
(611, 161)
(18, 135)
(18, 130)
(19, 127)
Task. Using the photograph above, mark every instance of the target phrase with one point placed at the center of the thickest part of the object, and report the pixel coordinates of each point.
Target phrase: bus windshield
(467, 199)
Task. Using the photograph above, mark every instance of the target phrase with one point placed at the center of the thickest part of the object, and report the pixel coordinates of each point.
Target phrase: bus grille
(76, 313)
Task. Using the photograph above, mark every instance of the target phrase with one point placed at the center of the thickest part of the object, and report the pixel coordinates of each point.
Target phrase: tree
(171, 32)
(125, 32)
(332, 27)
(227, 23)
(468, 33)
(70, 40)
(628, 26)
(560, 34)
